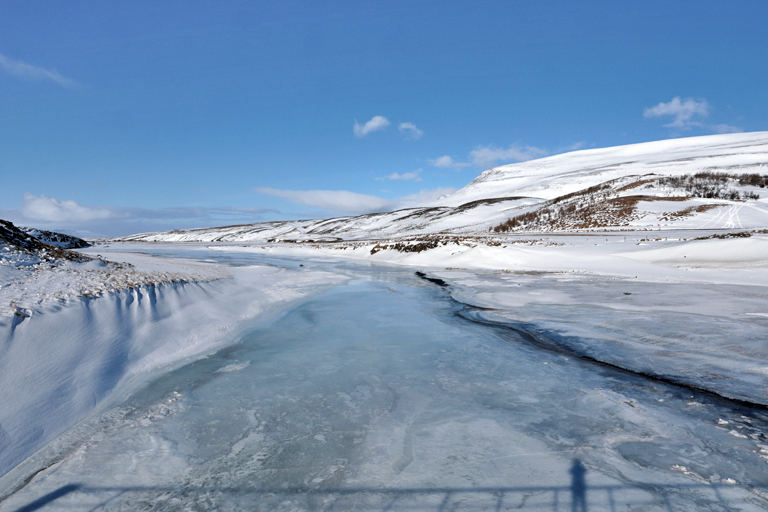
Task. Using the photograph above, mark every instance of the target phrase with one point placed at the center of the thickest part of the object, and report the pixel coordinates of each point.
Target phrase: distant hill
(716, 181)
(16, 239)
(57, 239)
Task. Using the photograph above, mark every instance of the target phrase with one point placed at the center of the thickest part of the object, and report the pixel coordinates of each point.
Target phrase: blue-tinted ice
(378, 396)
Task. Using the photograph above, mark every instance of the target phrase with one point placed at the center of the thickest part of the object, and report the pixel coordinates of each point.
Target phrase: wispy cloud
(354, 203)
(334, 200)
(425, 196)
(376, 123)
(687, 114)
(24, 70)
(446, 161)
(573, 147)
(46, 212)
(407, 176)
(725, 128)
(49, 209)
(488, 156)
(484, 156)
(410, 131)
(684, 113)
(442, 161)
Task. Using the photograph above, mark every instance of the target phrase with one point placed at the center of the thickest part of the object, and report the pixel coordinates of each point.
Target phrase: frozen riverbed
(379, 395)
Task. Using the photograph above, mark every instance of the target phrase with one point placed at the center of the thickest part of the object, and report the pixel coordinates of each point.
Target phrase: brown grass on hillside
(688, 212)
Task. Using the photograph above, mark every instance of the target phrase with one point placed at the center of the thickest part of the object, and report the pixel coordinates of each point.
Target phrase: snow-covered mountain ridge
(566, 173)
(624, 187)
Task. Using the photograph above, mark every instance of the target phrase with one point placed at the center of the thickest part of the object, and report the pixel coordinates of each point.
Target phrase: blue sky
(120, 117)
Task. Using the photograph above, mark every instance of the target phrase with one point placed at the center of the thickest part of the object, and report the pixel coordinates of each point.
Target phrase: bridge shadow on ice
(577, 497)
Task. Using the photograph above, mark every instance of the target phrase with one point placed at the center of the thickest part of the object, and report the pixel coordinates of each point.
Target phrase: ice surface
(706, 335)
(663, 304)
(377, 396)
(87, 332)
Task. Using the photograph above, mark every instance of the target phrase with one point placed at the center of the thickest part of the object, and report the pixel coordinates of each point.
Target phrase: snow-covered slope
(14, 240)
(625, 187)
(56, 239)
(554, 176)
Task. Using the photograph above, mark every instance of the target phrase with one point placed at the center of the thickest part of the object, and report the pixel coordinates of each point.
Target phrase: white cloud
(425, 196)
(45, 212)
(725, 128)
(443, 161)
(409, 176)
(48, 209)
(376, 123)
(447, 162)
(68, 216)
(688, 114)
(24, 70)
(573, 147)
(683, 112)
(335, 200)
(489, 156)
(410, 130)
(352, 202)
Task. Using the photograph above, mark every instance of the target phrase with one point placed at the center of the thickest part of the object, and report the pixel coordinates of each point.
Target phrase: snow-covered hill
(719, 182)
(56, 239)
(19, 245)
(554, 176)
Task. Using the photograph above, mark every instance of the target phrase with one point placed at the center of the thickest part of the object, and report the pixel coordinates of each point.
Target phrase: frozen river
(383, 394)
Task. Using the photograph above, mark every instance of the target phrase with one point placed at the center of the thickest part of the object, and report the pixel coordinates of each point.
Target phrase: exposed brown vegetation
(481, 202)
(688, 212)
(723, 236)
(636, 184)
(599, 206)
(588, 208)
(714, 185)
(417, 244)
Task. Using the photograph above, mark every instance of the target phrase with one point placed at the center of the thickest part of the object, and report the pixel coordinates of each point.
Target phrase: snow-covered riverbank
(71, 333)
(378, 396)
(691, 311)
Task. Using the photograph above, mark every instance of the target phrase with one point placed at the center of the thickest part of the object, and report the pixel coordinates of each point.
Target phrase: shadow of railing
(564, 498)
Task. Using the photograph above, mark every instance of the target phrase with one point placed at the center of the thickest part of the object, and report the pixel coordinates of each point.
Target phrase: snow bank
(734, 253)
(649, 255)
(702, 334)
(60, 362)
(29, 285)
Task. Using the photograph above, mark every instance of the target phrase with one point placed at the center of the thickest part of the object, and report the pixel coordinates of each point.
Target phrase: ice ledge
(59, 363)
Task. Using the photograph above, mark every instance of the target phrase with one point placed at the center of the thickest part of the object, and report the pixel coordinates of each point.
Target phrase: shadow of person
(578, 487)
